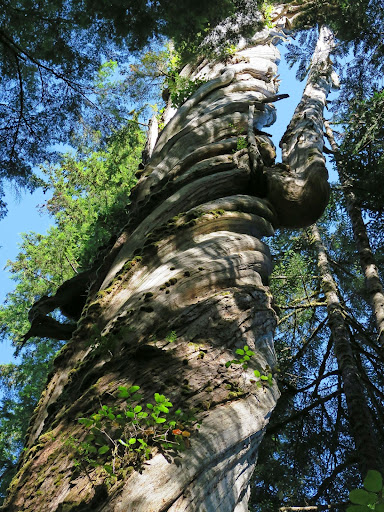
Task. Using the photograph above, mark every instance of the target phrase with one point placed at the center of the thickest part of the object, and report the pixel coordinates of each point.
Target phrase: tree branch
(277, 426)
(21, 97)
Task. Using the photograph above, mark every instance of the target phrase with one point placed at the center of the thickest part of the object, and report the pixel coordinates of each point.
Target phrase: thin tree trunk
(373, 283)
(315, 508)
(358, 411)
(184, 287)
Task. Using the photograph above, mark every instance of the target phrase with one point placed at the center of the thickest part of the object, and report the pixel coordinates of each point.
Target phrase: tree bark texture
(373, 283)
(358, 411)
(183, 288)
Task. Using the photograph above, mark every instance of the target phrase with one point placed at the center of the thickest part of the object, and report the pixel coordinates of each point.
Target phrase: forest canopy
(50, 55)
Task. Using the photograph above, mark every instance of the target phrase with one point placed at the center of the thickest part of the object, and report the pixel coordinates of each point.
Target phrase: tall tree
(359, 414)
(180, 309)
(373, 281)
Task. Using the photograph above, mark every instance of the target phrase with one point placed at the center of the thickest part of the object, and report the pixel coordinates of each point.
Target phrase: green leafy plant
(181, 88)
(246, 355)
(371, 497)
(118, 435)
(171, 337)
(241, 143)
(267, 11)
(229, 51)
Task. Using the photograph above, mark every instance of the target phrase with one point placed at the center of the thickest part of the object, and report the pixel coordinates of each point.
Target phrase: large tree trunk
(184, 287)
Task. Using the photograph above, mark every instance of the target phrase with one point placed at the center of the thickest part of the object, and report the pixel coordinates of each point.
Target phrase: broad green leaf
(358, 508)
(373, 481)
(123, 392)
(86, 421)
(362, 497)
(103, 449)
(108, 468)
(240, 351)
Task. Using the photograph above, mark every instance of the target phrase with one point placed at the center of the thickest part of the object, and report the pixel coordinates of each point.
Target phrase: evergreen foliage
(89, 192)
(50, 55)
(362, 150)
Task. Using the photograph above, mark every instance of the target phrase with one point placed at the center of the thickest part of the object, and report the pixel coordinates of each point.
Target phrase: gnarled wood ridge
(184, 287)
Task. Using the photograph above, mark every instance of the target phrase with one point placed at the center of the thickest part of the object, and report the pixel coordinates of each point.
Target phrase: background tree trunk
(184, 287)
(360, 420)
(373, 283)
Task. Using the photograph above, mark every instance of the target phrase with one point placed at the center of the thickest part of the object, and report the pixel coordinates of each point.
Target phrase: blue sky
(23, 214)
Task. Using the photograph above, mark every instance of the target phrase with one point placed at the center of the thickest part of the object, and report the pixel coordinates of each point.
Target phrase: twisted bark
(190, 262)
(299, 190)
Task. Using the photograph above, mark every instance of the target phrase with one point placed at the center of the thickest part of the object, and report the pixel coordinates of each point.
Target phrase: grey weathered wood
(196, 223)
